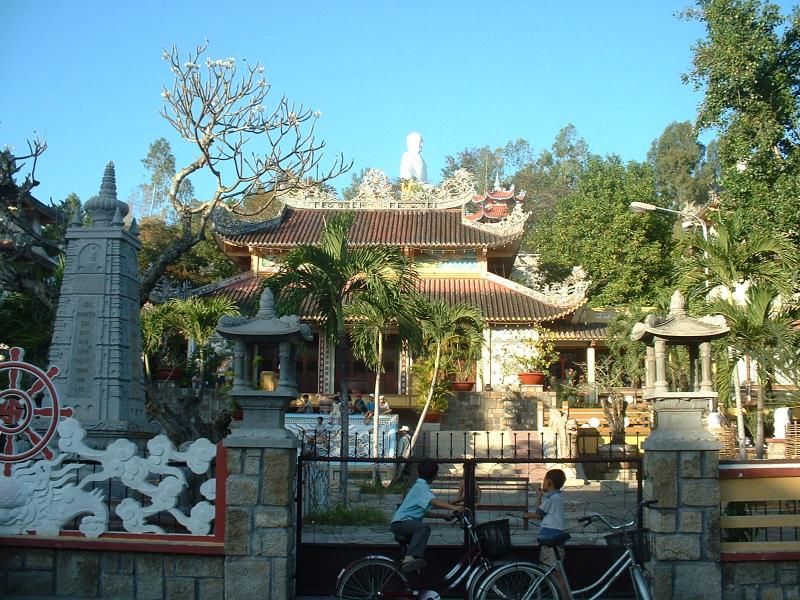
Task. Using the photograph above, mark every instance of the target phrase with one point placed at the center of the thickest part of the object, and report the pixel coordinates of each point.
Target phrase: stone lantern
(264, 412)
(679, 411)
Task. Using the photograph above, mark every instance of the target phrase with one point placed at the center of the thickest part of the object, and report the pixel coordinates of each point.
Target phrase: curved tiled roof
(589, 332)
(498, 303)
(407, 228)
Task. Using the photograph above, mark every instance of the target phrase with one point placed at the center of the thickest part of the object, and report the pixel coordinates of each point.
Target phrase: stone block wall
(470, 411)
(685, 526)
(79, 574)
(765, 580)
(260, 529)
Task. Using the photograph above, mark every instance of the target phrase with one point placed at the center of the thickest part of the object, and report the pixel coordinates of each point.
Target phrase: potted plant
(440, 399)
(459, 362)
(533, 357)
(171, 367)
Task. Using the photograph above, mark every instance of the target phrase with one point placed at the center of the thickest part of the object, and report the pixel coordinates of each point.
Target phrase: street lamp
(642, 207)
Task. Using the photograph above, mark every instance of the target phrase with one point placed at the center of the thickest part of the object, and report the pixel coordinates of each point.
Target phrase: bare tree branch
(221, 107)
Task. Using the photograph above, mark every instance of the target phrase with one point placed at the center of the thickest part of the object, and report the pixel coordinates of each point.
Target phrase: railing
(760, 510)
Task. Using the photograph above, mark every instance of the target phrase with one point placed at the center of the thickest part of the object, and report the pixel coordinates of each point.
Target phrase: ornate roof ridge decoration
(218, 285)
(508, 228)
(377, 192)
(229, 223)
(568, 303)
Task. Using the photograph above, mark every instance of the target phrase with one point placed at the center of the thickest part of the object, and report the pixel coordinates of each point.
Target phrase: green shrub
(348, 515)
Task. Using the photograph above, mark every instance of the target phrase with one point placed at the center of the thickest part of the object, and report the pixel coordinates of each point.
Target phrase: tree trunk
(376, 413)
(425, 408)
(766, 386)
(341, 364)
(737, 393)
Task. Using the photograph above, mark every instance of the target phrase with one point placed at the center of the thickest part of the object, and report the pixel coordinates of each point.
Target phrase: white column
(590, 362)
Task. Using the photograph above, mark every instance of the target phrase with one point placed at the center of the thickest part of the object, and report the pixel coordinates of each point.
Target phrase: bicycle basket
(494, 537)
(638, 538)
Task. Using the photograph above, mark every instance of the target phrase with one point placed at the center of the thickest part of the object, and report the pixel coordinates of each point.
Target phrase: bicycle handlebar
(591, 517)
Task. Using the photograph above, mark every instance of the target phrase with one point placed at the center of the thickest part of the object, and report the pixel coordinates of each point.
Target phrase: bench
(489, 489)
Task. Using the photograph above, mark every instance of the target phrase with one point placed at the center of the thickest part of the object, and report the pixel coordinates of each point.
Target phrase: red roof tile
(411, 228)
(498, 303)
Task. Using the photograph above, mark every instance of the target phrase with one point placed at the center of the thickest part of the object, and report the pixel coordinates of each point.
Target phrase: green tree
(748, 67)
(204, 263)
(731, 257)
(727, 263)
(331, 274)
(625, 254)
(484, 163)
(761, 332)
(370, 321)
(443, 327)
(683, 173)
(554, 173)
(160, 163)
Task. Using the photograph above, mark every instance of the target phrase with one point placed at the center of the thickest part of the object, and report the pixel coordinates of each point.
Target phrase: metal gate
(345, 505)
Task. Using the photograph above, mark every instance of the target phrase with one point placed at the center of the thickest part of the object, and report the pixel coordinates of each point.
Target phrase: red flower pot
(462, 386)
(533, 378)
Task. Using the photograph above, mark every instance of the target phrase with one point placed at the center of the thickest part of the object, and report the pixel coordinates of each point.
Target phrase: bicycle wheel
(372, 579)
(514, 582)
(475, 580)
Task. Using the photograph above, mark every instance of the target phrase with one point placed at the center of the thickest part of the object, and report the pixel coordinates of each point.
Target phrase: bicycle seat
(554, 541)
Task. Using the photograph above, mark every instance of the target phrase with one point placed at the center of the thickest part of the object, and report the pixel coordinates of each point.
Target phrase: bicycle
(525, 581)
(380, 577)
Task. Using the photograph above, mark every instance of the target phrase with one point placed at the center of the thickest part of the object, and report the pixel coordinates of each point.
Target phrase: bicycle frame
(626, 561)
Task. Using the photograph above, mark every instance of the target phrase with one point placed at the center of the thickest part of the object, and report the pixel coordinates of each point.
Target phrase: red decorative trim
(759, 469)
(110, 541)
(786, 555)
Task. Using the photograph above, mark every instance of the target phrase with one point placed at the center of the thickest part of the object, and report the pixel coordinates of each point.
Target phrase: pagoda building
(464, 247)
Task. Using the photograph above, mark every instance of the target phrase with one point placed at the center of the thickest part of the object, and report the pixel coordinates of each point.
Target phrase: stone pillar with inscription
(96, 337)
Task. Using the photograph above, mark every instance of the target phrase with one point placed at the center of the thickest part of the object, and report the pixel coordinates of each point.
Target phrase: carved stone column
(661, 383)
(650, 370)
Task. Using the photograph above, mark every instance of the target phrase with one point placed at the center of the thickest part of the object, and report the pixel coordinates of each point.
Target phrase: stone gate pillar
(685, 534)
(260, 528)
(681, 459)
(262, 461)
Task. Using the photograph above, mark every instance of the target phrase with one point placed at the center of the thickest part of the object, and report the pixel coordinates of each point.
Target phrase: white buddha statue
(412, 165)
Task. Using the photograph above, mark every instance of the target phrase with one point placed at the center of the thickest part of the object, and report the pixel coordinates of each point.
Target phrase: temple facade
(465, 248)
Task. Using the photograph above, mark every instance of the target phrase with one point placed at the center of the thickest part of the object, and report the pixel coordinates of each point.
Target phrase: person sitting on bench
(407, 525)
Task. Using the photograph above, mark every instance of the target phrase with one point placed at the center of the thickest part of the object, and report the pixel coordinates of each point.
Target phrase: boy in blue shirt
(407, 520)
(550, 509)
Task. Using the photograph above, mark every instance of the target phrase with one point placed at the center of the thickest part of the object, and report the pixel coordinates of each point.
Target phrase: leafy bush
(341, 514)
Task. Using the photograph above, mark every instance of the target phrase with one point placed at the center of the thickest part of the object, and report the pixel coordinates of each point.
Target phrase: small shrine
(264, 412)
(679, 413)
(493, 205)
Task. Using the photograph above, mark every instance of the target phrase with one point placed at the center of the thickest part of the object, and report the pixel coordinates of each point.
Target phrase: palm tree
(196, 320)
(734, 256)
(329, 274)
(443, 327)
(726, 264)
(370, 321)
(155, 321)
(762, 330)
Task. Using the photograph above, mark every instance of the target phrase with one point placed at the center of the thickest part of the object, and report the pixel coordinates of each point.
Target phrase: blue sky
(88, 75)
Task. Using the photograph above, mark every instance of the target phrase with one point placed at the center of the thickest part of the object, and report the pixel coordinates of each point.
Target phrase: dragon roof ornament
(510, 227)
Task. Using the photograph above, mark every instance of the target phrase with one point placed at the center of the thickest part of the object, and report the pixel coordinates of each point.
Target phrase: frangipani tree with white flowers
(242, 138)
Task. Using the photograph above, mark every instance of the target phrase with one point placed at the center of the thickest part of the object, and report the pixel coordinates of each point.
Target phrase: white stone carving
(42, 495)
(570, 291)
(376, 191)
